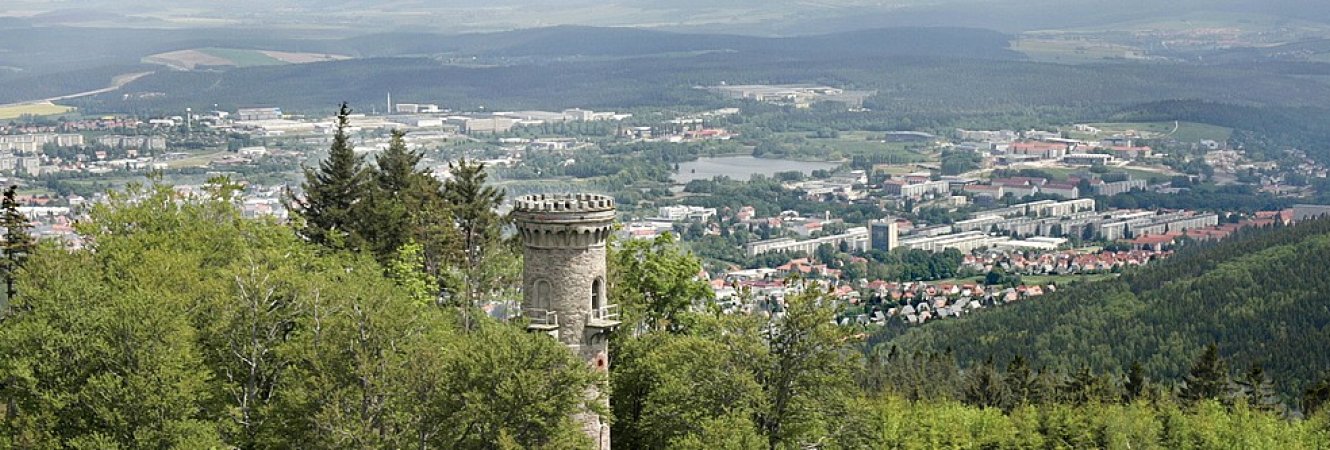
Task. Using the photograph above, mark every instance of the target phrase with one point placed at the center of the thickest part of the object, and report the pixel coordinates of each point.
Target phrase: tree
(1257, 390)
(1023, 385)
(1208, 377)
(1316, 395)
(667, 387)
(984, 387)
(185, 325)
(408, 208)
(331, 209)
(487, 258)
(656, 280)
(805, 373)
(18, 243)
(1136, 382)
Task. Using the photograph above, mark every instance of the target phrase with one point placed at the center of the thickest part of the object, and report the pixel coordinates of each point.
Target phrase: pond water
(743, 167)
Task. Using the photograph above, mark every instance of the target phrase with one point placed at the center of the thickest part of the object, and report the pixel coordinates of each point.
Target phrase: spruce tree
(334, 194)
(1256, 388)
(984, 387)
(1208, 378)
(409, 207)
(1316, 396)
(1135, 384)
(1022, 383)
(18, 243)
(474, 206)
(486, 258)
(398, 189)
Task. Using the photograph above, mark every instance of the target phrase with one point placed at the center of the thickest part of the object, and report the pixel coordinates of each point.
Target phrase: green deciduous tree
(184, 325)
(806, 373)
(656, 281)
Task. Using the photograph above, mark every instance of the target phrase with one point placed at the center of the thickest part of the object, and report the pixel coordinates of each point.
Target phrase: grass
(32, 109)
(1061, 173)
(198, 160)
(852, 143)
(242, 57)
(1070, 51)
(1186, 131)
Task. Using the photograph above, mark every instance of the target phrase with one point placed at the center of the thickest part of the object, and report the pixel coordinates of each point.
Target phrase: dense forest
(185, 325)
(1260, 297)
(181, 324)
(914, 71)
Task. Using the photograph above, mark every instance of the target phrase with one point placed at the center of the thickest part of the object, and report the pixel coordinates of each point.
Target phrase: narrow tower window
(597, 296)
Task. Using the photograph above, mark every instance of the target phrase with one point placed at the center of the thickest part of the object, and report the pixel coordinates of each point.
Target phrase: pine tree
(984, 387)
(400, 194)
(335, 193)
(1256, 388)
(473, 205)
(1316, 396)
(1135, 384)
(18, 243)
(1208, 378)
(1022, 383)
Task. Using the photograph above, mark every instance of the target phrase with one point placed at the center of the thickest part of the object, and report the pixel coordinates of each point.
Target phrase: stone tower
(563, 280)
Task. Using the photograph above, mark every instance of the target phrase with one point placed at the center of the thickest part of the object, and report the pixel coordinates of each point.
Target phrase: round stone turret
(564, 220)
(564, 292)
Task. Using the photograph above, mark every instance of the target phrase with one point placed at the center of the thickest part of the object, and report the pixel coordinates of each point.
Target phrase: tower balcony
(542, 320)
(605, 317)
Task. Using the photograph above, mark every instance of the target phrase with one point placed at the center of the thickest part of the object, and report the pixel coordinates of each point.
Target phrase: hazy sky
(758, 16)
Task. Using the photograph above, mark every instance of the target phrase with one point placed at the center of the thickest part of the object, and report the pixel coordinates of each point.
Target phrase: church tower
(563, 280)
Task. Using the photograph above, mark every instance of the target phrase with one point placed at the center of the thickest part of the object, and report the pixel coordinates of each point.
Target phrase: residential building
(855, 238)
(884, 235)
(683, 213)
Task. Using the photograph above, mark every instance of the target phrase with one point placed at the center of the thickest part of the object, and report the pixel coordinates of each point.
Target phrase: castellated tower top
(564, 203)
(564, 220)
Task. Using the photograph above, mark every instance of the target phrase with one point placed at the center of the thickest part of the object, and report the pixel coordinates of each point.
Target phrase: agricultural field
(233, 57)
(15, 111)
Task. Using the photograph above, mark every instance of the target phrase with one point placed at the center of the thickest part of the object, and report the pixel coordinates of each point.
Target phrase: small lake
(743, 167)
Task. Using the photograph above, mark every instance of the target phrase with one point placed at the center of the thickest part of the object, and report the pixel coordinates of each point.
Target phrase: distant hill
(911, 82)
(232, 57)
(566, 41)
(1263, 297)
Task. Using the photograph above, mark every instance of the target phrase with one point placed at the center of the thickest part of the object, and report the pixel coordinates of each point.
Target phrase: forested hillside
(181, 324)
(917, 86)
(1263, 298)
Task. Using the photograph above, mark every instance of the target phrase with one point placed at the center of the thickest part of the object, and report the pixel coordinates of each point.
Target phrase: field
(31, 109)
(198, 160)
(1070, 51)
(852, 143)
(232, 57)
(1185, 131)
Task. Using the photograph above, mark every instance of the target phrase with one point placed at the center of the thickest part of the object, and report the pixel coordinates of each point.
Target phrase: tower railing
(607, 312)
(541, 317)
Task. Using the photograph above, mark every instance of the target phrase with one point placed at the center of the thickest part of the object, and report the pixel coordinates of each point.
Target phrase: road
(116, 83)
